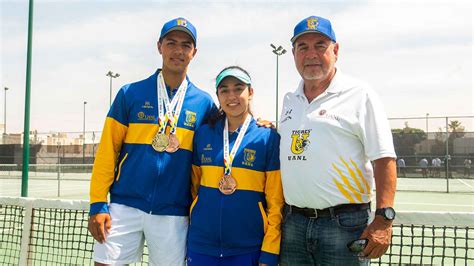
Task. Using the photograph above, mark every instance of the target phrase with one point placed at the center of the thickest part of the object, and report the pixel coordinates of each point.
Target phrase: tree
(439, 147)
(456, 130)
(405, 139)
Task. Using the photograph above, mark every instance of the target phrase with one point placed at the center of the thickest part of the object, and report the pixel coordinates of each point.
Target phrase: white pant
(165, 237)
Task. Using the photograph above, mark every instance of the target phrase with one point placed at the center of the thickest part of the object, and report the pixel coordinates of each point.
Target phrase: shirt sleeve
(274, 198)
(113, 135)
(196, 170)
(376, 134)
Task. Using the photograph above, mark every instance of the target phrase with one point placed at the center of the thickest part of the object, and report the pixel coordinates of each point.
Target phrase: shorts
(165, 237)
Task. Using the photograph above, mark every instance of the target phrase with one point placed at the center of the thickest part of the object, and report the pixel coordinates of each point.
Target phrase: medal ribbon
(173, 109)
(228, 158)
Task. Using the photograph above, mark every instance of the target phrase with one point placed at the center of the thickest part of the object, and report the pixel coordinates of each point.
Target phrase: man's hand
(265, 123)
(379, 234)
(99, 225)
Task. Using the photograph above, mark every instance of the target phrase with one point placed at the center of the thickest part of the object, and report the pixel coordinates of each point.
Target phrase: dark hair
(219, 114)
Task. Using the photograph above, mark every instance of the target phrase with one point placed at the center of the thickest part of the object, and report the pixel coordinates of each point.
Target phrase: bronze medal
(173, 144)
(160, 142)
(227, 185)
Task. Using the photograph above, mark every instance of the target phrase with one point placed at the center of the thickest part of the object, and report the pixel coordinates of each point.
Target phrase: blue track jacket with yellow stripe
(249, 219)
(126, 165)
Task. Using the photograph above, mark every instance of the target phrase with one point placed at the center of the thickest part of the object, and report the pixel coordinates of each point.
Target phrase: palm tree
(456, 128)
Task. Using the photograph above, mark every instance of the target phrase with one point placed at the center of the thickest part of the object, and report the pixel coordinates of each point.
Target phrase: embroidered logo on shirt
(143, 117)
(190, 119)
(285, 119)
(299, 143)
(325, 114)
(287, 116)
(147, 105)
(249, 157)
(205, 159)
(208, 147)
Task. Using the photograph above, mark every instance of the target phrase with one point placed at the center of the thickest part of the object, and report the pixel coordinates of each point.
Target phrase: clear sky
(417, 55)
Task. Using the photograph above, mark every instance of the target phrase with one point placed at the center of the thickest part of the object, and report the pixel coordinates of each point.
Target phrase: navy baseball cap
(181, 24)
(314, 24)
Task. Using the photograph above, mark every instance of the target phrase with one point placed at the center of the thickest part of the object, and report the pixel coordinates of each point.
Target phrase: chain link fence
(51, 148)
(437, 152)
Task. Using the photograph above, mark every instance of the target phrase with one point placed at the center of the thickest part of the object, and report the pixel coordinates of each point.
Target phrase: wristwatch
(387, 213)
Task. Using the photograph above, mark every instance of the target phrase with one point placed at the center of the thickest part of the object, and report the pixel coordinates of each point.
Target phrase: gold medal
(227, 184)
(173, 144)
(160, 142)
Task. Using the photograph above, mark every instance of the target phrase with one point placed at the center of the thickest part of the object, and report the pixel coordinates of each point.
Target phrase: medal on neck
(161, 142)
(227, 183)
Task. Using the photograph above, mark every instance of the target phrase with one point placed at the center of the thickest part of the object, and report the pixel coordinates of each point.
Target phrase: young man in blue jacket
(144, 159)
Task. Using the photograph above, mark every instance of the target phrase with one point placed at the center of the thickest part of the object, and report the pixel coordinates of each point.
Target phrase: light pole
(427, 114)
(93, 145)
(111, 75)
(84, 135)
(277, 51)
(5, 113)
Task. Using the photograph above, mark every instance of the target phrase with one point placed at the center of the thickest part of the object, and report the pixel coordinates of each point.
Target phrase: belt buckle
(315, 214)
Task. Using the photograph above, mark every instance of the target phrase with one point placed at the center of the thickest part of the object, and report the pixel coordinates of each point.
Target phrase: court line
(464, 183)
(434, 204)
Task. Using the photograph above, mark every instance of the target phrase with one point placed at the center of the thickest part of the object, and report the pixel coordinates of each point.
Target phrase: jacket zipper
(120, 166)
(220, 226)
(158, 170)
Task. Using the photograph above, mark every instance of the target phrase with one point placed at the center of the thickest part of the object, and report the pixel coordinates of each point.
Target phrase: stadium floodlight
(111, 75)
(278, 52)
(5, 113)
(84, 136)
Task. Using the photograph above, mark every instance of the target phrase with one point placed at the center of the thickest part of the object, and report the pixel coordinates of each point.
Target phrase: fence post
(447, 156)
(59, 168)
(59, 180)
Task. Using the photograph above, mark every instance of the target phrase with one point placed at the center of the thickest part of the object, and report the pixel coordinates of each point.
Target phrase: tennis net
(54, 232)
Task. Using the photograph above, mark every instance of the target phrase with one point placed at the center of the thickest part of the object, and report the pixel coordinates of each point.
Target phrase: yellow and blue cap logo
(181, 24)
(314, 24)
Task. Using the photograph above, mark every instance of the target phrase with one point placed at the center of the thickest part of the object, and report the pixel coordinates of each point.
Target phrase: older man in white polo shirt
(332, 127)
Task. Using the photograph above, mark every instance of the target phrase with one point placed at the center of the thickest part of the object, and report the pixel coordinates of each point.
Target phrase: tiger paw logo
(299, 143)
(182, 22)
(312, 23)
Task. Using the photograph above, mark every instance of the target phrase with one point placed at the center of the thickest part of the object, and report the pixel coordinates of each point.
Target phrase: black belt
(315, 213)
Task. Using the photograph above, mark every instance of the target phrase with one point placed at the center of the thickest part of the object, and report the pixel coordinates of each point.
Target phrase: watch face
(390, 213)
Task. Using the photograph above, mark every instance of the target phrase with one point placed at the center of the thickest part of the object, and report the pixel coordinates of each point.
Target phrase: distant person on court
(436, 167)
(401, 167)
(144, 159)
(467, 167)
(332, 126)
(424, 167)
(236, 214)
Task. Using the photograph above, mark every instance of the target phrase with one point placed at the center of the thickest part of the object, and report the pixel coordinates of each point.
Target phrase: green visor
(233, 72)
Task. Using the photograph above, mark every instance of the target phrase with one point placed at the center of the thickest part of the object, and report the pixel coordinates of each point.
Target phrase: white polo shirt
(327, 145)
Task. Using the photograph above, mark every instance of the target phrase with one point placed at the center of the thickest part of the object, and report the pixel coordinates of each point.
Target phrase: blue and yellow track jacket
(126, 165)
(249, 219)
